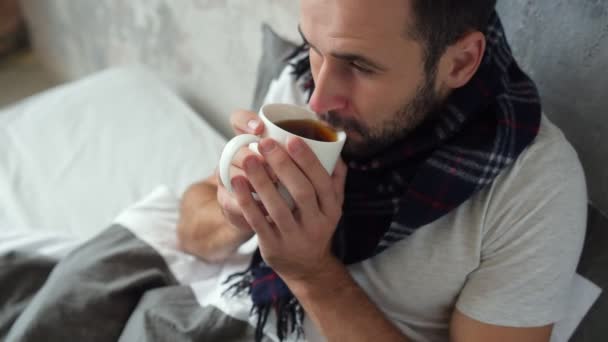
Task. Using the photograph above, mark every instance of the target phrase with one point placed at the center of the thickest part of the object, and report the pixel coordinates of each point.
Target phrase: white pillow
(72, 158)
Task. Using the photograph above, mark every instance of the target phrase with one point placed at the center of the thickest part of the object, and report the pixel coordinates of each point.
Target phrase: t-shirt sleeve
(533, 237)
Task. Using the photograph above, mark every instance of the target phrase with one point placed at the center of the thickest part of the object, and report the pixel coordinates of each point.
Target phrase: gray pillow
(275, 51)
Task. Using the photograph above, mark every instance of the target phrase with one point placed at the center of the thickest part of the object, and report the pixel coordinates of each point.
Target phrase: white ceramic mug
(327, 152)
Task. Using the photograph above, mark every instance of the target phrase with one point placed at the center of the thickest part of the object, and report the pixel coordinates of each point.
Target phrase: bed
(77, 155)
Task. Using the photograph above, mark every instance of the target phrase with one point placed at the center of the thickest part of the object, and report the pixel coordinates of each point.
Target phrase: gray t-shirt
(507, 256)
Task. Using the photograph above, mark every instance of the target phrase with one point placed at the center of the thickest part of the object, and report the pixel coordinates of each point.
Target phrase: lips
(334, 120)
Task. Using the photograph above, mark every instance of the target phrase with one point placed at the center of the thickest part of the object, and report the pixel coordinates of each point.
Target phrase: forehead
(371, 19)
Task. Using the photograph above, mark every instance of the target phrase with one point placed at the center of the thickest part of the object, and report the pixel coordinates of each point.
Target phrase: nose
(330, 89)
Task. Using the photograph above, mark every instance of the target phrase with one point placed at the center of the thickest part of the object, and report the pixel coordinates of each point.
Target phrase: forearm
(202, 228)
(341, 310)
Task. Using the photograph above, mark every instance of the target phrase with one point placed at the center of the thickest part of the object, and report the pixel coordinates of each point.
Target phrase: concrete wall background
(206, 49)
(563, 44)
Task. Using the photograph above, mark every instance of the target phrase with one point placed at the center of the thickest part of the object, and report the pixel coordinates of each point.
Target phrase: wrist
(330, 280)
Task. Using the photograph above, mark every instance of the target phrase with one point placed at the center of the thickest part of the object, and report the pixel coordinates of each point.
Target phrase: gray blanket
(115, 287)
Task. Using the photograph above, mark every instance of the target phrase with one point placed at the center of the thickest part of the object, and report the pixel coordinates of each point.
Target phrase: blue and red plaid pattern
(480, 131)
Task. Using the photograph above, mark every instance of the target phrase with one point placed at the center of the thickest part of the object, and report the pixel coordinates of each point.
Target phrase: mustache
(336, 121)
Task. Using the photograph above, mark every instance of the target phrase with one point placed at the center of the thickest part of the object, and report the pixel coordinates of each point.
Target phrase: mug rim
(340, 134)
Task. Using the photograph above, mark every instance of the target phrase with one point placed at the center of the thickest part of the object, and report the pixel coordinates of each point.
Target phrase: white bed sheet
(74, 157)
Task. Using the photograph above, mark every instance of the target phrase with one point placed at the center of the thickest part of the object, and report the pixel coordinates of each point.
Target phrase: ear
(462, 59)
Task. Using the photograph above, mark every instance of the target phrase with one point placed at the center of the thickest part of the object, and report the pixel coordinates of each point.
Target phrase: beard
(372, 140)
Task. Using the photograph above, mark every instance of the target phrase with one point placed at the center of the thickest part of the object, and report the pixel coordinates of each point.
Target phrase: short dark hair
(440, 23)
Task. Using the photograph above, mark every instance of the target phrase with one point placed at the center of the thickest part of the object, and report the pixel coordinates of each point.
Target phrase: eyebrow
(349, 57)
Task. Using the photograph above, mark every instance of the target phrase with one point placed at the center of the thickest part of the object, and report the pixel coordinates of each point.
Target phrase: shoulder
(532, 236)
(550, 150)
(546, 184)
(548, 169)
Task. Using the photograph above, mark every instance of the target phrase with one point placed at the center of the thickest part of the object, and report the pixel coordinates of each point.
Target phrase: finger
(237, 221)
(315, 172)
(243, 121)
(240, 156)
(274, 203)
(234, 171)
(229, 204)
(339, 180)
(236, 168)
(295, 181)
(245, 152)
(251, 211)
(227, 201)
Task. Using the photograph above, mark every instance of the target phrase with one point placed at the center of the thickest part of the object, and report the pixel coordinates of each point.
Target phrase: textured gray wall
(563, 44)
(207, 50)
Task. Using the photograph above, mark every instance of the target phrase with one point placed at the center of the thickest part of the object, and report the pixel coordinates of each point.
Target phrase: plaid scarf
(481, 130)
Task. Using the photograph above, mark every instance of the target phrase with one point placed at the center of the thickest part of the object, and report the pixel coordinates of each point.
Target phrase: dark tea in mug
(309, 129)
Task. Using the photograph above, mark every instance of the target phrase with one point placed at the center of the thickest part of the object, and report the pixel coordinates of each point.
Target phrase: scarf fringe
(240, 287)
(289, 312)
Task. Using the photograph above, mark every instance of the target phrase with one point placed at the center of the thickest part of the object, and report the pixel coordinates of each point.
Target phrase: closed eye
(361, 68)
(357, 61)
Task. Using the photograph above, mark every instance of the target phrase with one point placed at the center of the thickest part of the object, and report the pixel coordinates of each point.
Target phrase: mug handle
(230, 150)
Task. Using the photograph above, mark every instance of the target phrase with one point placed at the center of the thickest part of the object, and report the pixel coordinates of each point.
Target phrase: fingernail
(296, 145)
(252, 164)
(253, 125)
(267, 145)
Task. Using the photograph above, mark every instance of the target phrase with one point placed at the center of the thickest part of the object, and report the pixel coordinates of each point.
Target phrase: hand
(297, 245)
(211, 225)
(242, 122)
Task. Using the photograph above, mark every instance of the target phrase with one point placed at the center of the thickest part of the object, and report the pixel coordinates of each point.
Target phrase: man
(461, 213)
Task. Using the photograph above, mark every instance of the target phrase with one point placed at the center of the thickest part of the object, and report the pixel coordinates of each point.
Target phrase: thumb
(243, 121)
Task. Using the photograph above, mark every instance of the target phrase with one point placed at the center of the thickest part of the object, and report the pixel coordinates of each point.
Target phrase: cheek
(378, 100)
(372, 100)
